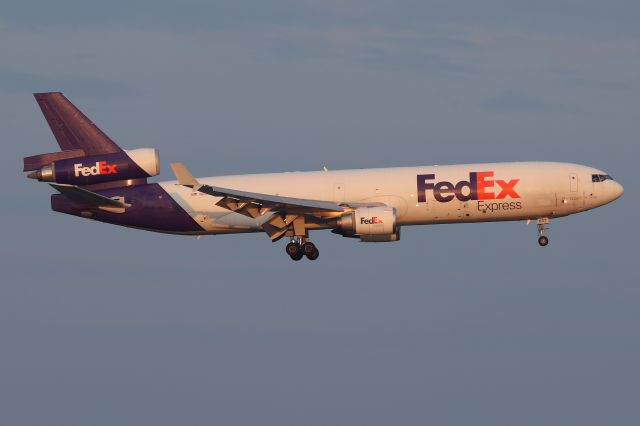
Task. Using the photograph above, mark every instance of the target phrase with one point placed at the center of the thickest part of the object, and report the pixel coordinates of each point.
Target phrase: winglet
(184, 176)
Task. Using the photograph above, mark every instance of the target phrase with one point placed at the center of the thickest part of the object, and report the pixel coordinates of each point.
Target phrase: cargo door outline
(573, 182)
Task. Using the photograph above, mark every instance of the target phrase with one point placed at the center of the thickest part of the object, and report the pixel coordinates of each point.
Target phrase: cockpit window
(600, 178)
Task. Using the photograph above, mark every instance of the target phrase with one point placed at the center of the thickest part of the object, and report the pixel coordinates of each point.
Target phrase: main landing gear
(543, 240)
(299, 247)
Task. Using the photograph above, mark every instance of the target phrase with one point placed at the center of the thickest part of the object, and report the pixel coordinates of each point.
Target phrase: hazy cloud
(518, 101)
(614, 17)
(574, 79)
(413, 61)
(381, 50)
(79, 85)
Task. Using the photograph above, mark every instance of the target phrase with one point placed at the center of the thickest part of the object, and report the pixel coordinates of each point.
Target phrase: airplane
(98, 180)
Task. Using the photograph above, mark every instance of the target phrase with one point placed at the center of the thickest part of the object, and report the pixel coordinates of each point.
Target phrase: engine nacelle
(370, 224)
(130, 164)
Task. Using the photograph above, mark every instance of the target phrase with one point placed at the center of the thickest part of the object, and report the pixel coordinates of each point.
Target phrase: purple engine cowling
(89, 170)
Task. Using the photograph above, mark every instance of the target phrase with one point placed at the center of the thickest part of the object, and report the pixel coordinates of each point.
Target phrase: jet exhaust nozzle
(45, 174)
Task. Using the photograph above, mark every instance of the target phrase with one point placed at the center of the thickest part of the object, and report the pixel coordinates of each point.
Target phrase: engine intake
(370, 224)
(129, 164)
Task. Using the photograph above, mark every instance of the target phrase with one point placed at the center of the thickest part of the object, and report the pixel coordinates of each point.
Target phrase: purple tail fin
(71, 128)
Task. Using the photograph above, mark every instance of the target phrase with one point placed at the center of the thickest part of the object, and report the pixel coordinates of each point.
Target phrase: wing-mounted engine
(88, 170)
(370, 224)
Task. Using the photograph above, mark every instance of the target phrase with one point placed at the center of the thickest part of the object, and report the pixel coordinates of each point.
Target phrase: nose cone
(616, 191)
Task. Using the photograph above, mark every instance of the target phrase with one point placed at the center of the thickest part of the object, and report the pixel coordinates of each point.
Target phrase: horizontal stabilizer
(90, 199)
(36, 162)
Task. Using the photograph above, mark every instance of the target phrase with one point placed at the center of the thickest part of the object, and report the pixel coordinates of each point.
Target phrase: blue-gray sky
(451, 326)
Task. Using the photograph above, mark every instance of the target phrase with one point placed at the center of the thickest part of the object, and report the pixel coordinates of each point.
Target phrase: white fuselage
(420, 195)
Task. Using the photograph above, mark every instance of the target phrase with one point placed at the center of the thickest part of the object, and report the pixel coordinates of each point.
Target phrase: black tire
(293, 249)
(309, 248)
(543, 241)
(299, 255)
(314, 255)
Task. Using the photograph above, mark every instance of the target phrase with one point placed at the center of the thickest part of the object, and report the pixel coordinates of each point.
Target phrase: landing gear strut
(543, 240)
(299, 247)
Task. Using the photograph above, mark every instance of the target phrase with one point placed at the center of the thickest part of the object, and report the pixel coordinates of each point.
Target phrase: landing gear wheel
(300, 247)
(294, 251)
(542, 239)
(310, 250)
(292, 248)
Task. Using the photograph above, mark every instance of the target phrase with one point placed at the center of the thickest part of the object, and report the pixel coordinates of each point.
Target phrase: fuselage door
(573, 182)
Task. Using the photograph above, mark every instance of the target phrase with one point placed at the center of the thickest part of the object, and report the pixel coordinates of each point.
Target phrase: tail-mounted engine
(89, 170)
(370, 224)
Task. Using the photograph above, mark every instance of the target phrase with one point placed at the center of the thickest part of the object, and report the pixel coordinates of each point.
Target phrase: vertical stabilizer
(71, 128)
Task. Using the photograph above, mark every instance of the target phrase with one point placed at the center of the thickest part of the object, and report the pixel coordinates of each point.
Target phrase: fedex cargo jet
(96, 179)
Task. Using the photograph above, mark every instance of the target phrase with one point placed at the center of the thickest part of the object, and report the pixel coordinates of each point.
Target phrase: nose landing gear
(298, 248)
(543, 240)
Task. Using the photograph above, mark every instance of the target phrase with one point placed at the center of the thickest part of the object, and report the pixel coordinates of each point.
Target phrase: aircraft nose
(616, 190)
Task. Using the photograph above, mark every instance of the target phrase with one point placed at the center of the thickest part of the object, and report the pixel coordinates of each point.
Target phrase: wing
(251, 203)
(90, 199)
(289, 210)
(231, 199)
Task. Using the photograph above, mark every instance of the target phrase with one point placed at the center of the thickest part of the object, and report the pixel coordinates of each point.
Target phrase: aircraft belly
(210, 217)
(217, 222)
